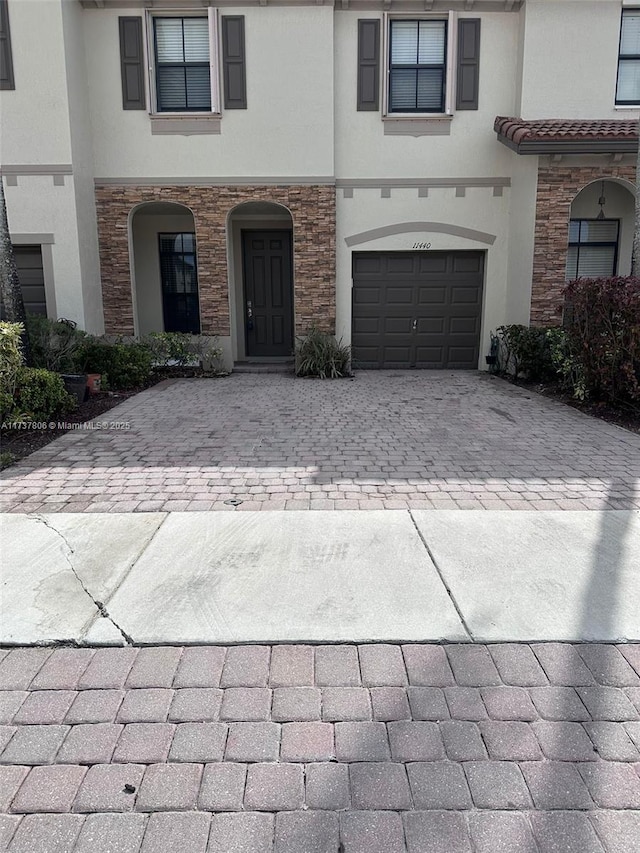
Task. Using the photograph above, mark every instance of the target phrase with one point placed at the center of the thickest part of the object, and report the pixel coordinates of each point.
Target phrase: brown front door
(268, 292)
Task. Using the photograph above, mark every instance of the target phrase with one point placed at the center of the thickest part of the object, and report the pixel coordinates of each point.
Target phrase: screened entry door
(179, 277)
(268, 293)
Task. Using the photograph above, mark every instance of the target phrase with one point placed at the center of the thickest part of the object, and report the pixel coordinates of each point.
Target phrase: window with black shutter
(417, 66)
(183, 73)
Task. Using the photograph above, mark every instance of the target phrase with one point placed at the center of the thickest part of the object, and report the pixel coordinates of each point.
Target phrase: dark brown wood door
(268, 293)
(417, 309)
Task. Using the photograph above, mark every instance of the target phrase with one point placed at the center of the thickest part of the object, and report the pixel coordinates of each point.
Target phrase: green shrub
(40, 394)
(55, 344)
(569, 371)
(528, 350)
(122, 365)
(181, 349)
(320, 354)
(603, 337)
(10, 359)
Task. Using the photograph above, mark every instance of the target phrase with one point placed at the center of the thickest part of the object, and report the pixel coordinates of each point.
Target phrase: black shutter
(6, 61)
(369, 64)
(233, 63)
(468, 64)
(132, 64)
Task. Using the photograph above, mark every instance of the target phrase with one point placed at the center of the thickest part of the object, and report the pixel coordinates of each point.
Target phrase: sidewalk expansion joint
(442, 580)
(68, 552)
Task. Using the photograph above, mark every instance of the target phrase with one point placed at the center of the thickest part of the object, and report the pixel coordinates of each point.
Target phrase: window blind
(183, 78)
(417, 66)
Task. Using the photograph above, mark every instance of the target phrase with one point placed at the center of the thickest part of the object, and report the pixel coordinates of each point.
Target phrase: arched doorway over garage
(261, 281)
(601, 230)
(165, 268)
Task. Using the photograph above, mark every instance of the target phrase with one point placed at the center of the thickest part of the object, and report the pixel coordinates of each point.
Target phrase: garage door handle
(415, 325)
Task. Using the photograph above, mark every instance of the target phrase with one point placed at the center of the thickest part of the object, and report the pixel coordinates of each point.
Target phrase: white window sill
(412, 125)
(184, 124)
(635, 107)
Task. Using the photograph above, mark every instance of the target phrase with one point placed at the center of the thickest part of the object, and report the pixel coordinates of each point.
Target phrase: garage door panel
(460, 356)
(430, 356)
(367, 325)
(401, 265)
(428, 306)
(397, 354)
(430, 325)
(464, 295)
(367, 264)
(368, 295)
(398, 325)
(31, 277)
(431, 264)
(432, 295)
(399, 295)
(464, 325)
(467, 262)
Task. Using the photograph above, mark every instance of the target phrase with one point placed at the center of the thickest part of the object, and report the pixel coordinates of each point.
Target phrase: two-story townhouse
(410, 173)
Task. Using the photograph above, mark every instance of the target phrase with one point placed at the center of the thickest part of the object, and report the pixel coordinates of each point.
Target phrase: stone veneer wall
(314, 249)
(557, 188)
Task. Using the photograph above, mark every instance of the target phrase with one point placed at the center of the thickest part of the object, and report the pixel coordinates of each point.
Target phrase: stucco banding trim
(410, 183)
(419, 227)
(204, 181)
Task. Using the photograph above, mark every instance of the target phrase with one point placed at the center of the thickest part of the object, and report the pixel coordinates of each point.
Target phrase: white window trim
(214, 62)
(450, 63)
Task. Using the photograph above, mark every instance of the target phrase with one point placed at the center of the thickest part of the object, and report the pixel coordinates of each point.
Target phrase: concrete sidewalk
(183, 578)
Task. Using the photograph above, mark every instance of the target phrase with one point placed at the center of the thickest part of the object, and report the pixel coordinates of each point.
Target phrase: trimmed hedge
(603, 336)
(40, 394)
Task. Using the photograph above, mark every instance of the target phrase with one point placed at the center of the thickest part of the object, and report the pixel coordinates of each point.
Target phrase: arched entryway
(601, 230)
(165, 268)
(261, 292)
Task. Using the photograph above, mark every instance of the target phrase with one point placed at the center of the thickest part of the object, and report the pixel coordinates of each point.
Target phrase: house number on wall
(422, 245)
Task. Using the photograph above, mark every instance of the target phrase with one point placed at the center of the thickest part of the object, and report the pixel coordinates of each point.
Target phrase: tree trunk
(10, 289)
(635, 257)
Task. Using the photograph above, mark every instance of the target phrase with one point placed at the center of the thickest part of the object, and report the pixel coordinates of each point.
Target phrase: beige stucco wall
(82, 159)
(44, 123)
(34, 126)
(570, 59)
(471, 150)
(522, 219)
(287, 129)
(362, 148)
(36, 206)
(478, 210)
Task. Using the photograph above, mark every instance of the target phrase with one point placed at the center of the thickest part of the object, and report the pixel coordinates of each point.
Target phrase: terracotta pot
(94, 381)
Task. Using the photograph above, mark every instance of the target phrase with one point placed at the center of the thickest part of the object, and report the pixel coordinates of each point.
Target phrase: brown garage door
(417, 309)
(31, 277)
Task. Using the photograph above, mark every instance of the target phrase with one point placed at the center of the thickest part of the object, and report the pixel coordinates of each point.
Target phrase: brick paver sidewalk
(386, 440)
(300, 749)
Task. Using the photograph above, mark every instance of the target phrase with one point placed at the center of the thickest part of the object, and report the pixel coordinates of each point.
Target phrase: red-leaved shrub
(603, 335)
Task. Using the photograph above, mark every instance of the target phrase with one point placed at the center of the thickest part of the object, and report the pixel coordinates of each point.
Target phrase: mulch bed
(626, 418)
(20, 443)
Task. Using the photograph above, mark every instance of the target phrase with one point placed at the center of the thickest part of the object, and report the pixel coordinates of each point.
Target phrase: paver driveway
(333, 749)
(394, 440)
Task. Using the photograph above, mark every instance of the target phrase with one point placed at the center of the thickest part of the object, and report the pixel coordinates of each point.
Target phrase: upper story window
(593, 248)
(628, 88)
(417, 66)
(6, 60)
(182, 64)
